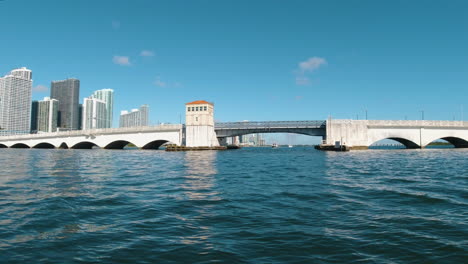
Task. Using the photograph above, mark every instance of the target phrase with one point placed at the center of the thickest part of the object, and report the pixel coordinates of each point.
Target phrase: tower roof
(199, 102)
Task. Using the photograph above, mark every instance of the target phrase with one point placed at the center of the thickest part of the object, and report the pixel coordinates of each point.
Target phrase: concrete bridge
(360, 134)
(355, 134)
(151, 137)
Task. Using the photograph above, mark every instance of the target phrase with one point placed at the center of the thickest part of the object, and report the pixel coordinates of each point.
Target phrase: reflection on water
(198, 185)
(200, 174)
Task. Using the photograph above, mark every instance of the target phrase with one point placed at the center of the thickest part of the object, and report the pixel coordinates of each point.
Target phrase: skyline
(267, 60)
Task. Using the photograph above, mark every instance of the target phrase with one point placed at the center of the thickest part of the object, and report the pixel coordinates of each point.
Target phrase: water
(254, 205)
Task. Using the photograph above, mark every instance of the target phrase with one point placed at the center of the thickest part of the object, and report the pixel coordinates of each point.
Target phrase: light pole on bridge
(422, 114)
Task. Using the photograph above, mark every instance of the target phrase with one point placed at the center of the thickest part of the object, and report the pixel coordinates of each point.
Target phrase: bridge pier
(222, 141)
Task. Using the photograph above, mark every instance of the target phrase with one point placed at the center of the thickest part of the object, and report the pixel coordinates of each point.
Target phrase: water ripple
(255, 205)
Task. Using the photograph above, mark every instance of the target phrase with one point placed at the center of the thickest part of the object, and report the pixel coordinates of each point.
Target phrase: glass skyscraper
(67, 92)
(106, 95)
(34, 109)
(15, 102)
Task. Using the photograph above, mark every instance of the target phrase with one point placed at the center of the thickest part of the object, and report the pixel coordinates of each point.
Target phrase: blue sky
(256, 60)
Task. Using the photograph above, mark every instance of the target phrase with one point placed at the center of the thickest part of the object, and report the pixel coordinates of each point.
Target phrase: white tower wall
(199, 125)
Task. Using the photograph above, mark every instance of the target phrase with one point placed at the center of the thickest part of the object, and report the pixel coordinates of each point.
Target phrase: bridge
(151, 137)
(360, 134)
(355, 134)
(232, 129)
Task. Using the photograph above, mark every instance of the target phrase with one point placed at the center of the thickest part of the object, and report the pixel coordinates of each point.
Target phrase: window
(196, 108)
(193, 108)
(204, 108)
(188, 109)
(196, 118)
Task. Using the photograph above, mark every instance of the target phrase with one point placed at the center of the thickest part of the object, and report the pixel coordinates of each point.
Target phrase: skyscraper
(135, 118)
(80, 117)
(106, 95)
(94, 113)
(47, 115)
(15, 102)
(34, 109)
(67, 92)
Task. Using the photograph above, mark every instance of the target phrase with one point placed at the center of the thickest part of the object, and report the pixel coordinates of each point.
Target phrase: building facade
(67, 92)
(106, 95)
(94, 113)
(15, 102)
(199, 124)
(135, 118)
(47, 115)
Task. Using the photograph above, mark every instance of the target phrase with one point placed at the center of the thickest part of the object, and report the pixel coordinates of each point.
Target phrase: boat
(274, 145)
(290, 146)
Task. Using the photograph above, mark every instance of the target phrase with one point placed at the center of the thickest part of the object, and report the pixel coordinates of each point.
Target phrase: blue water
(254, 205)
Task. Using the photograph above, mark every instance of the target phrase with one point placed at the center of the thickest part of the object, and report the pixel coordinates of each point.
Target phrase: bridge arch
(44, 145)
(457, 142)
(63, 146)
(84, 145)
(156, 144)
(118, 144)
(3, 146)
(19, 145)
(409, 144)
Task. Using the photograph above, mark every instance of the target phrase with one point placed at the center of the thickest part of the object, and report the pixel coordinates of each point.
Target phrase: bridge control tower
(199, 125)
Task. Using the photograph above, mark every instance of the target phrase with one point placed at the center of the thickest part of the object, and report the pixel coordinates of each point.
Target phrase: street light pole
(422, 114)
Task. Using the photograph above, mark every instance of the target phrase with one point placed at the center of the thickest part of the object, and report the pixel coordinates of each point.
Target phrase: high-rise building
(106, 95)
(94, 113)
(80, 116)
(47, 115)
(67, 92)
(135, 118)
(34, 109)
(15, 102)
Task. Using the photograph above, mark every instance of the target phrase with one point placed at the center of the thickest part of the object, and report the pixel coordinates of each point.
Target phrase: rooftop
(199, 102)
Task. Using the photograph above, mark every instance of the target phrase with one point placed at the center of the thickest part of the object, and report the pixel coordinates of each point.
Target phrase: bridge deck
(270, 124)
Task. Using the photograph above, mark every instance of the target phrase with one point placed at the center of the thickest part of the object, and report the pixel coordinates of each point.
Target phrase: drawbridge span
(232, 129)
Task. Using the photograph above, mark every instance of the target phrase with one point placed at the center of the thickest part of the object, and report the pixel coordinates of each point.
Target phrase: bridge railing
(166, 127)
(428, 123)
(270, 124)
(402, 123)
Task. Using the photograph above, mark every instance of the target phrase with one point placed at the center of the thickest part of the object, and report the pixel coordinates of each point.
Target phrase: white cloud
(311, 64)
(40, 88)
(115, 24)
(307, 67)
(121, 60)
(159, 83)
(147, 53)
